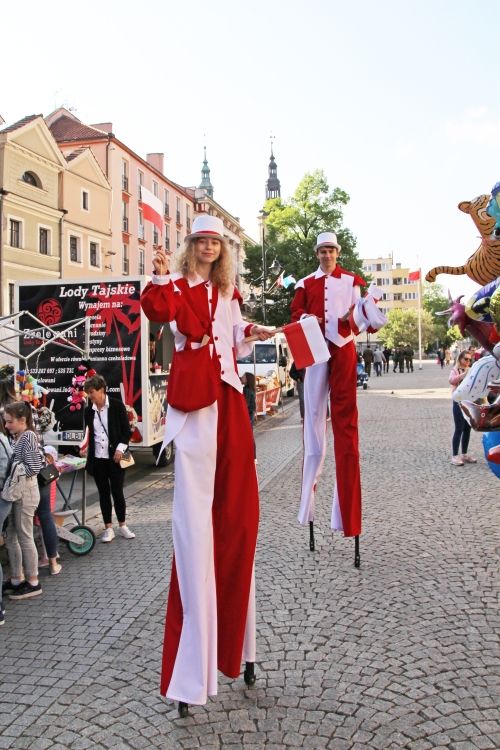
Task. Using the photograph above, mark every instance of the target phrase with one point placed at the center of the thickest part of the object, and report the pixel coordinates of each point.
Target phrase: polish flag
(414, 276)
(306, 342)
(152, 208)
(279, 280)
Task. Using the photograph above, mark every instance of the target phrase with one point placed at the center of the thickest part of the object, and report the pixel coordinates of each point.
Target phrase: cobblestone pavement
(401, 653)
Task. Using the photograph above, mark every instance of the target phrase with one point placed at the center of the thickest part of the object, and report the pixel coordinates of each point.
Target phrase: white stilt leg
(315, 406)
(195, 670)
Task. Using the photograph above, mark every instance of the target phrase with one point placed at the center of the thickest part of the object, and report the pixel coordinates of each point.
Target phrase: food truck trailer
(104, 320)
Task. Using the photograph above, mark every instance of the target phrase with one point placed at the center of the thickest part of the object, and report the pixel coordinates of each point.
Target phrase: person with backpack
(23, 555)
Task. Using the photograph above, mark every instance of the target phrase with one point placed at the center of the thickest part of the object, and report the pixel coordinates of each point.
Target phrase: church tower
(205, 183)
(273, 188)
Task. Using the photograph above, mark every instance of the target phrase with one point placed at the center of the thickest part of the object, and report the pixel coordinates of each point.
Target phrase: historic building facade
(133, 238)
(41, 199)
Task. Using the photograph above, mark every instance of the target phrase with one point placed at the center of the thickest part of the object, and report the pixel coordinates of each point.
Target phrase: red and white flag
(152, 208)
(414, 275)
(306, 342)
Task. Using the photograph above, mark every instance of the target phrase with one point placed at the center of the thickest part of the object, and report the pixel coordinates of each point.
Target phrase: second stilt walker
(210, 622)
(333, 295)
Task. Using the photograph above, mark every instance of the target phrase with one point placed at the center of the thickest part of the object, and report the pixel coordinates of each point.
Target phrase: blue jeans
(5, 508)
(44, 514)
(462, 431)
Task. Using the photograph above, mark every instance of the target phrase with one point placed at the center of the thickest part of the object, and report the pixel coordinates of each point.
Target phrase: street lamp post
(263, 216)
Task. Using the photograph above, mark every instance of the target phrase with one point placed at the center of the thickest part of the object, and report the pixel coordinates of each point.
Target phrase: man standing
(378, 361)
(330, 293)
(387, 355)
(368, 359)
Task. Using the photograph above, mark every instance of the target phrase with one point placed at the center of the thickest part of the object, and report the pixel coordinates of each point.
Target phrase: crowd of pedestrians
(380, 359)
(27, 499)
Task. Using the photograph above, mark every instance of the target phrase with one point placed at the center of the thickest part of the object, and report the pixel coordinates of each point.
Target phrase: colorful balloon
(491, 441)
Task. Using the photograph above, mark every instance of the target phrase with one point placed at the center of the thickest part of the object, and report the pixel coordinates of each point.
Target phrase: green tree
(402, 328)
(291, 228)
(435, 300)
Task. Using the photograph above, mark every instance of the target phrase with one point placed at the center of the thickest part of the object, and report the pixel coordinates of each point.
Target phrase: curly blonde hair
(221, 274)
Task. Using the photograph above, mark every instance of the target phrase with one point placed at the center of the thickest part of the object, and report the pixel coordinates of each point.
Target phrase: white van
(269, 358)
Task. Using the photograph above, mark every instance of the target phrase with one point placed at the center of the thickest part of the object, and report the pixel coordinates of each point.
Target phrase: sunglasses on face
(466, 359)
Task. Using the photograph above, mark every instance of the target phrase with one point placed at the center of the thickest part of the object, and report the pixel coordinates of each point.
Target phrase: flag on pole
(414, 275)
(152, 208)
(288, 281)
(280, 280)
(306, 342)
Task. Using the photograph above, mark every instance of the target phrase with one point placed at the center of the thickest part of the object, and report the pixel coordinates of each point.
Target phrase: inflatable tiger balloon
(484, 265)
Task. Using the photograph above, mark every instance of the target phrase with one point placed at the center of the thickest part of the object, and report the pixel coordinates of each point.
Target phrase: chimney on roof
(106, 127)
(156, 161)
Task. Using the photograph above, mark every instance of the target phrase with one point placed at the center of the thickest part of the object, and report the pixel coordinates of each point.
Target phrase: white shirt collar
(196, 279)
(319, 273)
(106, 405)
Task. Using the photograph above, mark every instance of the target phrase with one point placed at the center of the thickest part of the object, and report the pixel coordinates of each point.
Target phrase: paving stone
(395, 655)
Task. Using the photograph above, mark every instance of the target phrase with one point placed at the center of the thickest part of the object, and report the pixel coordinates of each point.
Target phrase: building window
(43, 241)
(178, 211)
(166, 202)
(94, 254)
(126, 261)
(125, 175)
(11, 298)
(75, 255)
(178, 241)
(141, 261)
(31, 179)
(155, 188)
(15, 233)
(140, 228)
(140, 183)
(85, 200)
(125, 216)
(155, 235)
(188, 219)
(167, 237)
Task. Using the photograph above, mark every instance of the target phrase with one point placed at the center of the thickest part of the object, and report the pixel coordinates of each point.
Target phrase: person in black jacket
(107, 437)
(298, 375)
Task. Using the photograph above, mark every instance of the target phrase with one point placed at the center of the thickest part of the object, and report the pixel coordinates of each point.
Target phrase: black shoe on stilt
(312, 546)
(357, 556)
(183, 709)
(249, 673)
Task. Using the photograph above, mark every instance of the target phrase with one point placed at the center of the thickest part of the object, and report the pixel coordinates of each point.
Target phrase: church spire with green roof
(205, 176)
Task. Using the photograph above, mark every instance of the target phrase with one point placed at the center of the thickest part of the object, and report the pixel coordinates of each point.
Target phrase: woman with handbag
(105, 443)
(23, 555)
(210, 620)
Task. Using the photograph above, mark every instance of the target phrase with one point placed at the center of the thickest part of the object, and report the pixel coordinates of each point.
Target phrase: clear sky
(397, 101)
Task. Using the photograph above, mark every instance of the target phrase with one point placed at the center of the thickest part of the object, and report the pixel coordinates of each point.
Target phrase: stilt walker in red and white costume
(210, 622)
(333, 295)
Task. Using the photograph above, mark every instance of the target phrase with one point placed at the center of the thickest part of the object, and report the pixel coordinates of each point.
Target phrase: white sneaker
(125, 532)
(108, 535)
(457, 461)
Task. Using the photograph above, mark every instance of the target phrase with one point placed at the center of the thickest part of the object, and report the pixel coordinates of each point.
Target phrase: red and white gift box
(307, 342)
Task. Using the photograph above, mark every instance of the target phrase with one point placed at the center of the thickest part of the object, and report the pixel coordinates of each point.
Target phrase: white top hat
(327, 238)
(207, 226)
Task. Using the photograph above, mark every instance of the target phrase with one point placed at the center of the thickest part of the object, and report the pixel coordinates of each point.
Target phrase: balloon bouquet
(480, 318)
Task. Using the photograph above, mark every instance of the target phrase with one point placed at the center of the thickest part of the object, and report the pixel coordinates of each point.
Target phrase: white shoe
(457, 461)
(468, 459)
(125, 532)
(108, 535)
